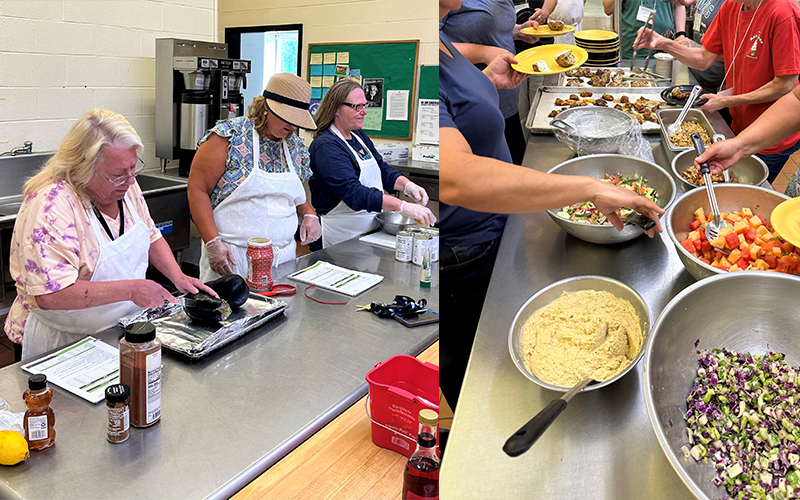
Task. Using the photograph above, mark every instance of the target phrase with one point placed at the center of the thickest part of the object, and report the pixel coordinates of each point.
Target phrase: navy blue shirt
(468, 102)
(336, 174)
(486, 22)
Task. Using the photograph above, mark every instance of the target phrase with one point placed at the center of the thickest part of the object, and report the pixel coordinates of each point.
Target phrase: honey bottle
(39, 421)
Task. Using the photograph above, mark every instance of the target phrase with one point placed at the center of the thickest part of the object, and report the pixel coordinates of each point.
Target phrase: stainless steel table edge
(259, 467)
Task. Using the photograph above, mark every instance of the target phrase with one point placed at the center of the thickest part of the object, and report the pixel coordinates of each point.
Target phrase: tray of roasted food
(641, 103)
(601, 77)
(199, 324)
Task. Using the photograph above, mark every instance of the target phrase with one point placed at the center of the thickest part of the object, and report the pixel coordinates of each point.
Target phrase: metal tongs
(651, 20)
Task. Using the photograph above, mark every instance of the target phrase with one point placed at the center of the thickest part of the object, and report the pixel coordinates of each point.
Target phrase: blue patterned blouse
(239, 132)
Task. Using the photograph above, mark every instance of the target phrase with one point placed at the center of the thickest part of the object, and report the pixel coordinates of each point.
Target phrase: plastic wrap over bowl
(593, 129)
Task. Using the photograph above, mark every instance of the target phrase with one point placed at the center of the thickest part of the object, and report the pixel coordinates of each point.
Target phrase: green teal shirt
(665, 20)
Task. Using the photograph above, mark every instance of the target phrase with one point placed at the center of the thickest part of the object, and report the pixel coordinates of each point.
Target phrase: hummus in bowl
(587, 326)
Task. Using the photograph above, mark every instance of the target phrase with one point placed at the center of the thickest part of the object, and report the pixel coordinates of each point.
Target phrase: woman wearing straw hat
(349, 173)
(235, 195)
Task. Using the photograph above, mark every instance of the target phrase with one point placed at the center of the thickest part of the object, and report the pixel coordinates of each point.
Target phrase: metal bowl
(599, 165)
(670, 359)
(730, 198)
(549, 294)
(592, 130)
(750, 170)
(394, 222)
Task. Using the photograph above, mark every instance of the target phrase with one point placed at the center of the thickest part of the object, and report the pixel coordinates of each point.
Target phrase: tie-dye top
(54, 245)
(239, 132)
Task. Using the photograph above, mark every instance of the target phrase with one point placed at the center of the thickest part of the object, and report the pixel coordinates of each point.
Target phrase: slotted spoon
(673, 127)
(715, 225)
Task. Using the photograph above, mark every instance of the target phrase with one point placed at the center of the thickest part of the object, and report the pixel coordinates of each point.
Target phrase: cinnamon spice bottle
(39, 421)
(140, 369)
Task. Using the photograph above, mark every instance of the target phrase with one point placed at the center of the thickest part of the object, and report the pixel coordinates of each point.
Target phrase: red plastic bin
(399, 388)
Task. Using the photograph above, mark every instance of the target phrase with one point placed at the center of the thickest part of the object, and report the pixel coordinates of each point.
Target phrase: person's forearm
(478, 54)
(84, 294)
(694, 57)
(465, 179)
(400, 183)
(771, 91)
(680, 18)
(161, 257)
(304, 209)
(202, 214)
(608, 7)
(778, 122)
(549, 6)
(390, 203)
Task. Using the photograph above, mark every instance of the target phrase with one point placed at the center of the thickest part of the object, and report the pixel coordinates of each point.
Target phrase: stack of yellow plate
(602, 46)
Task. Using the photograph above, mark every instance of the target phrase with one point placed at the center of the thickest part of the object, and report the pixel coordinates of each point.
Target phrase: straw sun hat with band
(288, 97)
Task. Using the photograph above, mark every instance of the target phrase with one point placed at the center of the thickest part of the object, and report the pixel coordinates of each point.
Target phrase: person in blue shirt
(349, 175)
(478, 186)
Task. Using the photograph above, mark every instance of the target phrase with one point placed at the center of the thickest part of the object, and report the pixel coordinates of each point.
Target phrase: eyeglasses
(357, 107)
(122, 179)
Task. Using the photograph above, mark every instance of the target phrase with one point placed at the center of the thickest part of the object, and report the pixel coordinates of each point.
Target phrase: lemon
(13, 448)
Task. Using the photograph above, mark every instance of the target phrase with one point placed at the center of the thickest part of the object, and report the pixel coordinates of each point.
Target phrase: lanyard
(735, 39)
(105, 225)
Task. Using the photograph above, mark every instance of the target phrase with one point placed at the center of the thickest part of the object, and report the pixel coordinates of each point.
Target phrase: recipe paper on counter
(336, 279)
(84, 368)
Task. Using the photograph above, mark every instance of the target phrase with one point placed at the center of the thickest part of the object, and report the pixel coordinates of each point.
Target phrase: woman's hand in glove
(416, 193)
(218, 256)
(422, 215)
(310, 230)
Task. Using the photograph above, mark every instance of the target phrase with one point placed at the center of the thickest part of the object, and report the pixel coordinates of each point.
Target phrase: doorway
(272, 49)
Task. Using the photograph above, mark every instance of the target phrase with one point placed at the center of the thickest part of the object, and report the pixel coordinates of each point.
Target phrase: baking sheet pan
(180, 334)
(539, 123)
(563, 78)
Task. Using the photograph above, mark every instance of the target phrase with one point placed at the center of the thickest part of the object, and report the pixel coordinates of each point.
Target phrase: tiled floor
(786, 174)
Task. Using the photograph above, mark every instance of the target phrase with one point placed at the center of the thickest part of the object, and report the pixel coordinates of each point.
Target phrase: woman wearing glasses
(83, 238)
(350, 175)
(235, 195)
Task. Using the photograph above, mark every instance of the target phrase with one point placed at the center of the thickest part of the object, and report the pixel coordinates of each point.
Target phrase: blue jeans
(775, 162)
(464, 274)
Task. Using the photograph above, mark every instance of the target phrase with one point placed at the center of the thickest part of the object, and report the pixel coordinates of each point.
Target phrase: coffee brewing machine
(196, 85)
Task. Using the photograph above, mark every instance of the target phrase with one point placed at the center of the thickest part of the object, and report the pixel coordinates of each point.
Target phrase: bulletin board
(382, 67)
(429, 82)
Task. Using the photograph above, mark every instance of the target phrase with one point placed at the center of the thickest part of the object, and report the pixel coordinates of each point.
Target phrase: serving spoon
(524, 438)
(715, 225)
(673, 127)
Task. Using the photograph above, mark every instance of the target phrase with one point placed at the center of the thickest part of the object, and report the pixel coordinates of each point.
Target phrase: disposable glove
(310, 230)
(218, 256)
(422, 215)
(416, 193)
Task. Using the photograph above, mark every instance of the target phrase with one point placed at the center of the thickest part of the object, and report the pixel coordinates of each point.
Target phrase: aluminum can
(404, 244)
(259, 264)
(422, 242)
(434, 243)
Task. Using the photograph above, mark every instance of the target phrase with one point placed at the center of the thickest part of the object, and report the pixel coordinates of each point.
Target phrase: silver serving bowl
(730, 198)
(549, 294)
(592, 129)
(750, 170)
(745, 325)
(599, 165)
(394, 222)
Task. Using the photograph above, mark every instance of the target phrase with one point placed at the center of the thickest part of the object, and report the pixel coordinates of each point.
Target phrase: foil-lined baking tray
(178, 333)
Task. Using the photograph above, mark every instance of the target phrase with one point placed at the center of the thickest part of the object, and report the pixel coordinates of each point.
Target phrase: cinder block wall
(60, 58)
(342, 21)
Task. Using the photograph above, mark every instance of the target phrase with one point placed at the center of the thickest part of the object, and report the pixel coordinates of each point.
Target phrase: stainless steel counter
(230, 416)
(603, 445)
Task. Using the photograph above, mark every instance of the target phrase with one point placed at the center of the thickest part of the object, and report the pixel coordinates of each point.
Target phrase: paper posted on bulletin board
(428, 122)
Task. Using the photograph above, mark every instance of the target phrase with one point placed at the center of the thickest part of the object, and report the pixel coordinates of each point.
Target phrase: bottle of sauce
(117, 401)
(140, 369)
(39, 421)
(421, 477)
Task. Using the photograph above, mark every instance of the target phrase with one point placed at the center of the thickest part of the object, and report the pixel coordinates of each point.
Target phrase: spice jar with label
(39, 421)
(117, 398)
(140, 369)
(259, 264)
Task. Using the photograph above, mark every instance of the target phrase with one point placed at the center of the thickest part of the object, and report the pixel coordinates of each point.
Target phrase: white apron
(343, 223)
(264, 205)
(125, 258)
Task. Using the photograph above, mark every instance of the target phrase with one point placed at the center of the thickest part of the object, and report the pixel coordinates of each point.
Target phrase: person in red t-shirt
(759, 42)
